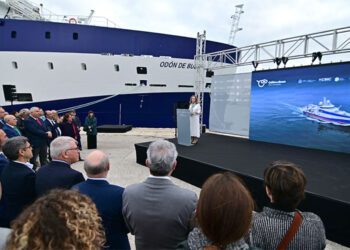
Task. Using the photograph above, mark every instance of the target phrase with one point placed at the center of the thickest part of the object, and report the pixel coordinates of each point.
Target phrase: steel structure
(200, 65)
(329, 42)
(235, 23)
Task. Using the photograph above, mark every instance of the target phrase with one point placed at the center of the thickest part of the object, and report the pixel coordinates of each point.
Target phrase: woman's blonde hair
(194, 97)
(62, 219)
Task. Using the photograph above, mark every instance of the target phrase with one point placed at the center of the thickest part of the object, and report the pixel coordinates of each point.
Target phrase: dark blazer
(18, 190)
(53, 128)
(36, 133)
(108, 200)
(10, 132)
(56, 174)
(3, 163)
(20, 126)
(68, 130)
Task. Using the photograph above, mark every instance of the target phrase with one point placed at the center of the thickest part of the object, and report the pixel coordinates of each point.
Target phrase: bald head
(96, 164)
(11, 120)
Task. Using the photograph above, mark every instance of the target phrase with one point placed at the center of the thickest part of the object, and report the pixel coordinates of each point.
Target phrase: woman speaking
(195, 111)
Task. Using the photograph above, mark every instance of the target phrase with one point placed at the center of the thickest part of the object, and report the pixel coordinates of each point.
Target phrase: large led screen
(230, 104)
(307, 107)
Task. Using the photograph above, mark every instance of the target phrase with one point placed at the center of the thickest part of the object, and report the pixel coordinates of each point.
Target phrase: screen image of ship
(326, 112)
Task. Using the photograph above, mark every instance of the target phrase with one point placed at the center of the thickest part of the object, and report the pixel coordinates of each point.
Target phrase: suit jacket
(3, 163)
(18, 190)
(56, 174)
(36, 133)
(108, 200)
(10, 131)
(53, 127)
(70, 129)
(158, 212)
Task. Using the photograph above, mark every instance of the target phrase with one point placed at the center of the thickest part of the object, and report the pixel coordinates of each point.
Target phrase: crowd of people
(54, 207)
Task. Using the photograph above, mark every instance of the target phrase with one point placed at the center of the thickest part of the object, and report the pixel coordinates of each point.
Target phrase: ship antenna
(235, 22)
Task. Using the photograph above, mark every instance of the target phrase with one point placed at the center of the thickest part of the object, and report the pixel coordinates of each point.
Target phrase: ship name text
(178, 65)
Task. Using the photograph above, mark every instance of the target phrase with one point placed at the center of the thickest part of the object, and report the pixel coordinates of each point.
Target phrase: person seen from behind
(281, 225)
(62, 219)
(223, 214)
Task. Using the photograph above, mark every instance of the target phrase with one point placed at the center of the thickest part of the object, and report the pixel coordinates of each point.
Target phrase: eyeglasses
(30, 146)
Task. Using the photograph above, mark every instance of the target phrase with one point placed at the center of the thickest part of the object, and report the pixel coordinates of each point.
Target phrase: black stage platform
(114, 128)
(327, 173)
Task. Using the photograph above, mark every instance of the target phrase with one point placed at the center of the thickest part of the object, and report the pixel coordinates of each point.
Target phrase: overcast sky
(262, 21)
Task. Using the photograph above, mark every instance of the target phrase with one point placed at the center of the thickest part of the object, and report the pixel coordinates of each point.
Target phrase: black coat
(56, 174)
(18, 190)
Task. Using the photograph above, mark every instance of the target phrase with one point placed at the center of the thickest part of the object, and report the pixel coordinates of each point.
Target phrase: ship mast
(235, 23)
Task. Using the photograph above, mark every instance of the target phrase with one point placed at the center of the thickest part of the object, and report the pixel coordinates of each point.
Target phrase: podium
(183, 127)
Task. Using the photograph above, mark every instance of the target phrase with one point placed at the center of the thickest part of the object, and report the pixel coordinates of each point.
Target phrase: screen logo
(262, 83)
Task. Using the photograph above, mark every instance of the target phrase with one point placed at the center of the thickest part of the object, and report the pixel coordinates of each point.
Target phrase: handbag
(291, 231)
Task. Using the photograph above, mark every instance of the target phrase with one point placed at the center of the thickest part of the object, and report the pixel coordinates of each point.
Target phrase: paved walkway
(124, 169)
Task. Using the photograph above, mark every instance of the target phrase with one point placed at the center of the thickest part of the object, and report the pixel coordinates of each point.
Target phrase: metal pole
(120, 114)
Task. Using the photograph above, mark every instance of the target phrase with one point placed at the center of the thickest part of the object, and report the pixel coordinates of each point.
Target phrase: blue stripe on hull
(139, 110)
(30, 36)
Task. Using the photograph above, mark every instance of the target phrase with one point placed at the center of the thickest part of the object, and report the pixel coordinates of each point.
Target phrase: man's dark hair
(12, 146)
(287, 182)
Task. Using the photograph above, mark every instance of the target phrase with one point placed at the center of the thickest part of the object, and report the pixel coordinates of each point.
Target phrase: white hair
(161, 155)
(32, 109)
(59, 145)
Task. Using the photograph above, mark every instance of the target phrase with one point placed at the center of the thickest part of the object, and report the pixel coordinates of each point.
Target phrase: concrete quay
(125, 171)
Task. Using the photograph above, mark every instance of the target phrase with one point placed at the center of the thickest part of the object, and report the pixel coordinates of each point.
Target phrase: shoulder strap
(291, 231)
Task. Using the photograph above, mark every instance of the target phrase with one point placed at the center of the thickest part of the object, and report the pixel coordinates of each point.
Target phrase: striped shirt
(270, 226)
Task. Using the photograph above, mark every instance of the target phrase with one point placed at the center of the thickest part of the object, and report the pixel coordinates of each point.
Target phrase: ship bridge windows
(141, 70)
(185, 86)
(83, 66)
(50, 65)
(208, 85)
(13, 34)
(47, 35)
(75, 35)
(116, 67)
(14, 65)
(130, 84)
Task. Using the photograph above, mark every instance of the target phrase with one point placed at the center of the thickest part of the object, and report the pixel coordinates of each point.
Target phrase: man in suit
(58, 173)
(38, 135)
(2, 114)
(157, 211)
(17, 179)
(10, 127)
(3, 161)
(107, 197)
(52, 125)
